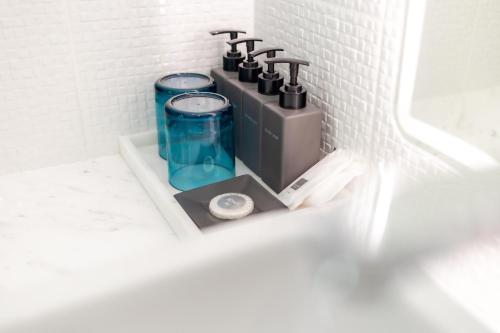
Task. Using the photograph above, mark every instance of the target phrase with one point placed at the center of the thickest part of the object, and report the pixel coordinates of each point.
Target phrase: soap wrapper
(322, 182)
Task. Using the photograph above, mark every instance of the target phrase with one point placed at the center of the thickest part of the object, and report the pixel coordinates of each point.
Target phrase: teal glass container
(200, 139)
(172, 85)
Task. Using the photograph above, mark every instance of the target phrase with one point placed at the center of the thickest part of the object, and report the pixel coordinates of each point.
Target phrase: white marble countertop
(60, 221)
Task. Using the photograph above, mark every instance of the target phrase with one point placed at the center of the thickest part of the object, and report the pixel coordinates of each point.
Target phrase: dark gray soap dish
(195, 202)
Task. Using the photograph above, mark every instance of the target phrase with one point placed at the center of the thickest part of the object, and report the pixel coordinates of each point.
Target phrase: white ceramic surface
(140, 151)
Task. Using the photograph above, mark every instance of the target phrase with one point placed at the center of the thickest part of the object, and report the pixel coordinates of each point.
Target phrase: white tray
(140, 151)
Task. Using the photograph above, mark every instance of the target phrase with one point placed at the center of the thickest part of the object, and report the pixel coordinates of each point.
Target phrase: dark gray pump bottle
(269, 83)
(249, 69)
(292, 132)
(234, 88)
(230, 60)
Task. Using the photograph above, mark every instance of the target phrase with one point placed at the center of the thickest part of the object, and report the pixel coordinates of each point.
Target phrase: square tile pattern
(75, 74)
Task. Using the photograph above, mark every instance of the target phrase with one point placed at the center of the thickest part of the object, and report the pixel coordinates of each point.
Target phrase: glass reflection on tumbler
(200, 140)
(170, 86)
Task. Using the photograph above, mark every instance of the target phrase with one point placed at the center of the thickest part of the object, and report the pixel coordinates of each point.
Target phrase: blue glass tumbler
(200, 139)
(172, 85)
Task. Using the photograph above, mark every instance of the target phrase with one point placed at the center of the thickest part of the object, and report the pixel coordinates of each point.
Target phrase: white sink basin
(261, 277)
(294, 273)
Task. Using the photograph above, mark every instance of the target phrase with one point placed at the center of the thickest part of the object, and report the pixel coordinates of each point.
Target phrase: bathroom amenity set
(244, 111)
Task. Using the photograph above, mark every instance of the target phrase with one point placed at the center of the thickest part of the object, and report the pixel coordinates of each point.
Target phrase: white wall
(460, 48)
(75, 74)
(355, 51)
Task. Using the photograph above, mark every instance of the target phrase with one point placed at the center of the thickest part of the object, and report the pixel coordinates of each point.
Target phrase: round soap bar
(231, 206)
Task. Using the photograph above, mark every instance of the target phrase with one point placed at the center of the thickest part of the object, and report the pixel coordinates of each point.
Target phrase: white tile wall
(355, 52)
(75, 74)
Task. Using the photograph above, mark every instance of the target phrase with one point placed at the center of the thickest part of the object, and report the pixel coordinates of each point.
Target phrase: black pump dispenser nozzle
(270, 81)
(233, 58)
(249, 69)
(292, 94)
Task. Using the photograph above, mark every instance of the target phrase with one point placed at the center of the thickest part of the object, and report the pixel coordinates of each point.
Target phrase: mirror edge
(455, 152)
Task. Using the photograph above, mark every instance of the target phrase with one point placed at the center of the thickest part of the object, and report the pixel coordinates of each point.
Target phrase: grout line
(377, 91)
(76, 75)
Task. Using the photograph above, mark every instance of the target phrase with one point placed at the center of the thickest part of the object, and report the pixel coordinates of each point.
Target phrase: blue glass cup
(172, 85)
(200, 139)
